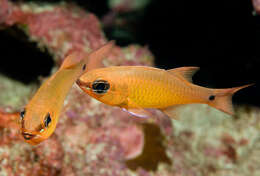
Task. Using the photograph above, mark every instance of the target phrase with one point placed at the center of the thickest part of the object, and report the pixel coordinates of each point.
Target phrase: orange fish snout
(32, 138)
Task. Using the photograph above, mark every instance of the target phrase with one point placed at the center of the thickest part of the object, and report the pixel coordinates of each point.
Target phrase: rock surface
(95, 139)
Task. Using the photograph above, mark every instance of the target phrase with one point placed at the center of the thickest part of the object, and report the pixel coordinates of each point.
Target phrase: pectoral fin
(138, 112)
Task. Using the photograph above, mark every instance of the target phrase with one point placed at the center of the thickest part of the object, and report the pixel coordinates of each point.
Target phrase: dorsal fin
(71, 60)
(185, 73)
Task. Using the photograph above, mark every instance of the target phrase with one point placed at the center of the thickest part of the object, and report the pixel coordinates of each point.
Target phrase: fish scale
(151, 89)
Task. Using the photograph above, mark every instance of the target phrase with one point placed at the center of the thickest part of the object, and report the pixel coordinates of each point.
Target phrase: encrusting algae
(88, 131)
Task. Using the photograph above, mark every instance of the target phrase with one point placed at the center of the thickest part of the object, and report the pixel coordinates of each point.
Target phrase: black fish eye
(100, 86)
(22, 113)
(47, 120)
(84, 67)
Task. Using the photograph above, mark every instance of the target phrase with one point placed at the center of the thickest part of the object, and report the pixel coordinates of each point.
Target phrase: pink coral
(56, 27)
(131, 139)
(88, 132)
(256, 4)
(95, 139)
(4, 10)
(63, 29)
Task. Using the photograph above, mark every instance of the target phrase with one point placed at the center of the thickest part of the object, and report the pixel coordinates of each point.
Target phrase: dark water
(221, 37)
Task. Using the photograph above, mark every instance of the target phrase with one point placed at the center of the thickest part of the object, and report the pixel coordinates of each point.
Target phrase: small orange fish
(135, 88)
(39, 118)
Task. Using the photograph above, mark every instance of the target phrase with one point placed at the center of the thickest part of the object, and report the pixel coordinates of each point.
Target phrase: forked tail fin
(222, 99)
(93, 60)
(71, 60)
(97, 56)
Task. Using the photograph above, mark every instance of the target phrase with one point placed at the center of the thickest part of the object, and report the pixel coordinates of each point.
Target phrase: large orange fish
(39, 118)
(135, 88)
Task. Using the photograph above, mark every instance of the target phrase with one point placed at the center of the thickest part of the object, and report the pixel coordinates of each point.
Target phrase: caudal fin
(222, 99)
(96, 57)
(93, 59)
(71, 60)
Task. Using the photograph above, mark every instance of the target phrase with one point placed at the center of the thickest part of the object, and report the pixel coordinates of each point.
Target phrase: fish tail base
(222, 99)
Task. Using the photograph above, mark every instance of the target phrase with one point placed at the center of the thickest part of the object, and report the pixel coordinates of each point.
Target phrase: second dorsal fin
(185, 73)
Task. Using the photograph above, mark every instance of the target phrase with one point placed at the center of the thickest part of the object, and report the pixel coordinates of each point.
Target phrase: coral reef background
(94, 139)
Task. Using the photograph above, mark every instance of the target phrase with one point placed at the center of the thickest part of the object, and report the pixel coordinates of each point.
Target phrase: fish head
(103, 86)
(37, 125)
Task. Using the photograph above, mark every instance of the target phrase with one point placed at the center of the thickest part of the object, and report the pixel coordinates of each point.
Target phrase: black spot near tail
(212, 97)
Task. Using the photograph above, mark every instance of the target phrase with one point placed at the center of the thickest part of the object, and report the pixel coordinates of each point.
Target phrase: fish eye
(22, 113)
(100, 86)
(84, 67)
(47, 120)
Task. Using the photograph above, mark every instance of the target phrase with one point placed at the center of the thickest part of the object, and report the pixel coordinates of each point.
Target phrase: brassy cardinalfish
(135, 88)
(39, 118)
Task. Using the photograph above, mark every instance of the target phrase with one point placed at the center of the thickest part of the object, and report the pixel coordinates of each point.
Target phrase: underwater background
(221, 37)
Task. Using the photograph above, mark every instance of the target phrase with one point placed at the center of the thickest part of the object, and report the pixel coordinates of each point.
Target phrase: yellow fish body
(40, 116)
(137, 87)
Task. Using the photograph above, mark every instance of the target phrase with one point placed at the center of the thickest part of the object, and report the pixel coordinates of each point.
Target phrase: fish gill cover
(94, 139)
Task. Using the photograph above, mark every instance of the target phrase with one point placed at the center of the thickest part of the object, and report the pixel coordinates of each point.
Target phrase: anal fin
(173, 111)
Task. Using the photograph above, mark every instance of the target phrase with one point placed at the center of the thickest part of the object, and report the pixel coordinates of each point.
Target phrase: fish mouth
(28, 136)
(86, 85)
(32, 139)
